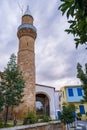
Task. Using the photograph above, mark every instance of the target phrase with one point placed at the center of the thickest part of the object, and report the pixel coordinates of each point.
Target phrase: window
(81, 108)
(79, 91)
(70, 92)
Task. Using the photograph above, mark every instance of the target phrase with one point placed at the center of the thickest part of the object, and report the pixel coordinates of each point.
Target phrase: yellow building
(73, 94)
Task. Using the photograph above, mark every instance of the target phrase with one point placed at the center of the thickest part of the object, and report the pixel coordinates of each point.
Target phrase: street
(81, 125)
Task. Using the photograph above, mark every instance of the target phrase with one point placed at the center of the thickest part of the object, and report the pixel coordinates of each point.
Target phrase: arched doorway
(42, 104)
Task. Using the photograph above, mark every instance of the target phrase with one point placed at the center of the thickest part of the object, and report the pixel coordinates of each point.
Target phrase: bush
(86, 113)
(79, 114)
(43, 118)
(1, 124)
(30, 118)
(46, 118)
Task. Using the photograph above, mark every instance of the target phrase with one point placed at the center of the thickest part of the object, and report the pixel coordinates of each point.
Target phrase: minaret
(26, 61)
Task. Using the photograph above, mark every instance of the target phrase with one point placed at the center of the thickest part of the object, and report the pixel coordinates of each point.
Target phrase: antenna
(20, 7)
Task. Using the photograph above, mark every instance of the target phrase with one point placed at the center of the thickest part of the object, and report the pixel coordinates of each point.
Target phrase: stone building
(39, 98)
(26, 61)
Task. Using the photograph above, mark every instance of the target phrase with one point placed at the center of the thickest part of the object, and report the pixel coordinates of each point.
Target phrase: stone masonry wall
(40, 126)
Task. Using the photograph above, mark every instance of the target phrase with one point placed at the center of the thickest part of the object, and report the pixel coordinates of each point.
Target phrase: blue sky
(56, 57)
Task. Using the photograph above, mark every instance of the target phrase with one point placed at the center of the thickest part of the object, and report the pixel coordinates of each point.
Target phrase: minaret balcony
(27, 30)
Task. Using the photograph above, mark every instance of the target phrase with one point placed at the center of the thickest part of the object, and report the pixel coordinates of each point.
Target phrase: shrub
(1, 124)
(46, 118)
(43, 118)
(79, 114)
(30, 118)
(86, 113)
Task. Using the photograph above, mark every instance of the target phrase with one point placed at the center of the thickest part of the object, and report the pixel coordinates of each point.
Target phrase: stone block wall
(40, 126)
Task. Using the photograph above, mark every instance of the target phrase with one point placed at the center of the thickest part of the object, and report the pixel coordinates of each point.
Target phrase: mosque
(40, 98)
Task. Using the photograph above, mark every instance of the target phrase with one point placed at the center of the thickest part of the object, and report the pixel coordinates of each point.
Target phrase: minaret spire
(27, 12)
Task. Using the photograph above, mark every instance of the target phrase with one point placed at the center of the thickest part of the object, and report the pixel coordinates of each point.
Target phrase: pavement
(81, 125)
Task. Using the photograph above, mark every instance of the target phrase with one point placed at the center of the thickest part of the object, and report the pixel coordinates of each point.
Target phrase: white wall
(57, 103)
(50, 93)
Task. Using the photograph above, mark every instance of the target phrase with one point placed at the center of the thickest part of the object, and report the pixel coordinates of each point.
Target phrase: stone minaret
(26, 62)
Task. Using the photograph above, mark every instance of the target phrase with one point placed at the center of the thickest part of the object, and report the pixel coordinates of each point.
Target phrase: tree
(79, 115)
(1, 101)
(67, 114)
(76, 12)
(1, 96)
(82, 75)
(11, 86)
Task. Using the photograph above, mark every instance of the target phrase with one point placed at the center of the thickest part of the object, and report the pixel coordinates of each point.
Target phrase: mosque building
(39, 98)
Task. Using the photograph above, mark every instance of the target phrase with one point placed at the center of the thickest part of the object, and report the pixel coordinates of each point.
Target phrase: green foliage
(82, 75)
(76, 12)
(46, 118)
(86, 113)
(72, 106)
(1, 100)
(1, 124)
(79, 114)
(43, 118)
(7, 125)
(11, 85)
(67, 115)
(30, 118)
(1, 95)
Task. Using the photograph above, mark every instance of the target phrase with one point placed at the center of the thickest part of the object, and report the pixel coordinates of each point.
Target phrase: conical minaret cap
(27, 12)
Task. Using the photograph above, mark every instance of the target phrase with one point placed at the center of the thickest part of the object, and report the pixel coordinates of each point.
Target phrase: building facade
(73, 94)
(49, 100)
